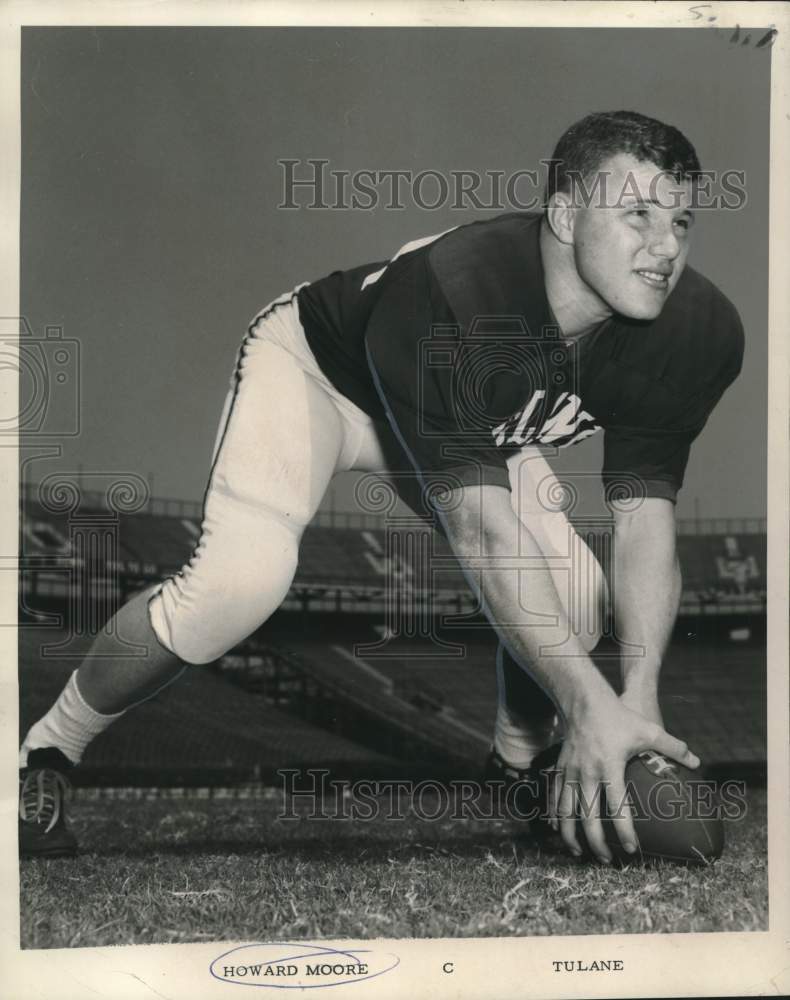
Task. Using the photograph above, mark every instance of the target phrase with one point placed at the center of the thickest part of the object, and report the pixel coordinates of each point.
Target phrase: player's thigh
(281, 438)
(279, 443)
(237, 577)
(381, 453)
(537, 500)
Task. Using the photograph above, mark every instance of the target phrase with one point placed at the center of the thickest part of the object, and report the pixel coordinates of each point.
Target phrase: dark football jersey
(453, 340)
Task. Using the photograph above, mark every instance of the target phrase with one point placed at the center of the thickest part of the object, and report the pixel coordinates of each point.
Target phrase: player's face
(630, 247)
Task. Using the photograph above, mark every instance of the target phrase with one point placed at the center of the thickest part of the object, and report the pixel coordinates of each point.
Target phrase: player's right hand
(602, 735)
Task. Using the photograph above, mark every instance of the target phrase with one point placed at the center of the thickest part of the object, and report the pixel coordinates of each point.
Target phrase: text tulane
(598, 965)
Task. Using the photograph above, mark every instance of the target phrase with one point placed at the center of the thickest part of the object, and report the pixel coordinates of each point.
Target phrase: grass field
(194, 870)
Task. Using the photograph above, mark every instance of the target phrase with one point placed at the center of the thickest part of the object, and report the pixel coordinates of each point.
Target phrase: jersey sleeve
(413, 354)
(650, 459)
(642, 462)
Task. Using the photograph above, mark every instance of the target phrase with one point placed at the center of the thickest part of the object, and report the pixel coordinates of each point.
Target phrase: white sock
(69, 726)
(517, 742)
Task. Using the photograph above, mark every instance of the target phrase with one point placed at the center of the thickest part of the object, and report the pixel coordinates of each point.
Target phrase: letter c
(448, 967)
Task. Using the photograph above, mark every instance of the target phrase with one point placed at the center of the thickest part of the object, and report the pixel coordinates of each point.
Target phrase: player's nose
(664, 243)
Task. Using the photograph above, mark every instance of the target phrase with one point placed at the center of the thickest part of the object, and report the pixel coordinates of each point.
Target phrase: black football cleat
(43, 790)
(521, 793)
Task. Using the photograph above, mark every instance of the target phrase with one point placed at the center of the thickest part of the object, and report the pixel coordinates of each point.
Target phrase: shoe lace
(42, 796)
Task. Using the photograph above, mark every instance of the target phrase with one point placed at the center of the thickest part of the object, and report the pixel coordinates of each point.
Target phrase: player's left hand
(600, 739)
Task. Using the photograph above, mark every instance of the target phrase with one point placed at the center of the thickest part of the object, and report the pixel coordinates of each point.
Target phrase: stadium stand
(713, 694)
(413, 698)
(333, 680)
(201, 731)
(728, 568)
(723, 569)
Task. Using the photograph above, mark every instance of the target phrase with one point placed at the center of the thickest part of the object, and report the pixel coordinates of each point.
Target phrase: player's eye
(684, 224)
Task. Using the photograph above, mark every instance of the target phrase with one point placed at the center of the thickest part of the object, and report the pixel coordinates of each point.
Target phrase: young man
(458, 359)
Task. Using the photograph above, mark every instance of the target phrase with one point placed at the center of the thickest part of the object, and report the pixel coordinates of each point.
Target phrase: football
(675, 811)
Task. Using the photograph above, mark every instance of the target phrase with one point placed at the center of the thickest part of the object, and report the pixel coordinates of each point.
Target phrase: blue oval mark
(299, 966)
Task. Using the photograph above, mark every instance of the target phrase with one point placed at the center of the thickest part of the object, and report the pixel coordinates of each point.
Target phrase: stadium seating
(200, 730)
(716, 568)
(418, 709)
(723, 564)
(713, 695)
(385, 702)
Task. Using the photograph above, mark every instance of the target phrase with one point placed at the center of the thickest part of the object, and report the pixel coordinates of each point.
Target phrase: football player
(461, 359)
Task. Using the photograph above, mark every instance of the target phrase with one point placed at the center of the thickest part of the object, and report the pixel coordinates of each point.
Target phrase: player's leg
(281, 441)
(111, 691)
(526, 717)
(281, 445)
(57, 741)
(109, 682)
(113, 682)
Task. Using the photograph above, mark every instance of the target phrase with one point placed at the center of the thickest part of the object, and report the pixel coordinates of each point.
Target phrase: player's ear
(560, 216)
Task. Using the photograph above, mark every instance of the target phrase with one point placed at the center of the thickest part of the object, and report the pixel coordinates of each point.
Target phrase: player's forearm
(514, 581)
(646, 590)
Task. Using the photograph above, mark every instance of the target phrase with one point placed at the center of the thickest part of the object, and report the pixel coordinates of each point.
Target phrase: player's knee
(197, 637)
(160, 621)
(193, 656)
(211, 606)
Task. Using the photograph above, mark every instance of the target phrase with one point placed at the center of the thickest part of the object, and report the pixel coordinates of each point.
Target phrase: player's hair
(584, 146)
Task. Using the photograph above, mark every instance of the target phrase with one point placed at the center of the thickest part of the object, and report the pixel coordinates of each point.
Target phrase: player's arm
(649, 448)
(602, 733)
(646, 586)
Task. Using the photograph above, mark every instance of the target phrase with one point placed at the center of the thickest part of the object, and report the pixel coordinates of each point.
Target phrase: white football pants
(284, 433)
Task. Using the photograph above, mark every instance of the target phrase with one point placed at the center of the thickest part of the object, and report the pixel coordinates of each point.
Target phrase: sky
(152, 175)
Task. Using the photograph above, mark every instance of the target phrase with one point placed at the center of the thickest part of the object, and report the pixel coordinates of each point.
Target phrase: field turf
(201, 870)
